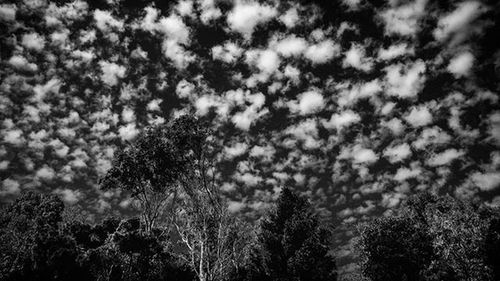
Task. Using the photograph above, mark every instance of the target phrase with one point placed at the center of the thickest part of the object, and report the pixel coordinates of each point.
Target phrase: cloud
(405, 81)
(307, 132)
(22, 63)
(457, 23)
(322, 52)
(355, 57)
(486, 181)
(434, 135)
(8, 12)
(403, 174)
(33, 41)
(445, 157)
(70, 196)
(309, 102)
(14, 136)
(105, 21)
(243, 120)
(290, 18)
(341, 120)
(111, 72)
(10, 187)
(404, 20)
(45, 173)
(362, 155)
(236, 150)
(227, 53)
(290, 46)
(419, 116)
(397, 153)
(245, 16)
(395, 51)
(174, 28)
(128, 132)
(461, 64)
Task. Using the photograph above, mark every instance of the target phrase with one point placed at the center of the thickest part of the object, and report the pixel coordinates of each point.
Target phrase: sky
(357, 104)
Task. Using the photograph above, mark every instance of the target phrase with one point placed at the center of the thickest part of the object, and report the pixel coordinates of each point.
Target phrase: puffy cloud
(45, 173)
(322, 52)
(403, 174)
(395, 125)
(306, 131)
(290, 46)
(290, 18)
(248, 179)
(445, 157)
(111, 72)
(341, 120)
(227, 53)
(22, 63)
(235, 206)
(128, 132)
(309, 102)
(69, 196)
(236, 150)
(8, 12)
(243, 120)
(355, 57)
(434, 135)
(419, 116)
(359, 91)
(14, 136)
(105, 21)
(174, 28)
(33, 41)
(264, 152)
(486, 181)
(408, 84)
(209, 11)
(268, 61)
(461, 64)
(395, 51)
(456, 24)
(362, 155)
(397, 153)
(179, 56)
(245, 16)
(10, 187)
(404, 19)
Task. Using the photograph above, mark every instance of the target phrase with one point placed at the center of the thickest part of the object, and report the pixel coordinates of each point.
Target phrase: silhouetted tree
(153, 167)
(430, 238)
(292, 244)
(32, 246)
(394, 248)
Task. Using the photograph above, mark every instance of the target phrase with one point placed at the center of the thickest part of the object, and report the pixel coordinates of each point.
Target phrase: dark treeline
(185, 231)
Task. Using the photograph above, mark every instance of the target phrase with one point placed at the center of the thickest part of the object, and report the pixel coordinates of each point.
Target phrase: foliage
(31, 245)
(292, 244)
(431, 238)
(152, 167)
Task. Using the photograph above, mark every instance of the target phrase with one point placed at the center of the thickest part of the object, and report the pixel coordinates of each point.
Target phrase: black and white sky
(356, 103)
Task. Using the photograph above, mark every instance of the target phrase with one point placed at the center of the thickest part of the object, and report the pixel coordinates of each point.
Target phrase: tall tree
(292, 243)
(430, 238)
(154, 166)
(32, 246)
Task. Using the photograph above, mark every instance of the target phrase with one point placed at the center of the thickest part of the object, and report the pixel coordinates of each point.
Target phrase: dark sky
(356, 105)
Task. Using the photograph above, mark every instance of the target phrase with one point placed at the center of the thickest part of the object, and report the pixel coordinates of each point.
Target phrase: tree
(393, 248)
(292, 244)
(32, 246)
(153, 167)
(430, 238)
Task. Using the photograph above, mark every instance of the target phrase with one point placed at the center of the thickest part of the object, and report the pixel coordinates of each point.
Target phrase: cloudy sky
(355, 104)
